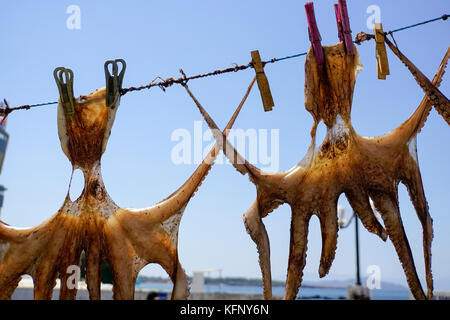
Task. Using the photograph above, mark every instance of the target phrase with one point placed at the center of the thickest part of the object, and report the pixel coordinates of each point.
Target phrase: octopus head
(85, 133)
(329, 86)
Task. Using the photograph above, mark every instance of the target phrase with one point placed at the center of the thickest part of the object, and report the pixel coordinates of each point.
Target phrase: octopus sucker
(128, 239)
(345, 162)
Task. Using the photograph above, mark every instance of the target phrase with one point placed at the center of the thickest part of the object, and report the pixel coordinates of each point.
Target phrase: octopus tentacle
(72, 246)
(405, 132)
(413, 181)
(151, 242)
(167, 207)
(387, 205)
(9, 286)
(329, 227)
(93, 270)
(257, 231)
(120, 252)
(359, 201)
(440, 102)
(65, 293)
(68, 287)
(22, 254)
(44, 280)
(236, 159)
(10, 275)
(266, 202)
(181, 283)
(297, 252)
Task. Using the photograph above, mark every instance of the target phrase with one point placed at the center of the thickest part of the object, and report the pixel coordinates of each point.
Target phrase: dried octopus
(128, 239)
(362, 168)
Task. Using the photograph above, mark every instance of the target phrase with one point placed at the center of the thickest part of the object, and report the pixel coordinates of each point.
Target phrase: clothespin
(114, 81)
(313, 30)
(337, 12)
(263, 83)
(380, 51)
(65, 89)
(345, 23)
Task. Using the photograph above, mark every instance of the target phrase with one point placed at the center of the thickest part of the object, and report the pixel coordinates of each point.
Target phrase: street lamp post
(4, 137)
(358, 279)
(357, 291)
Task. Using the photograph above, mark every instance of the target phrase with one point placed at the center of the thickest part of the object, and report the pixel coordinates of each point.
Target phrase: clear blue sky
(156, 38)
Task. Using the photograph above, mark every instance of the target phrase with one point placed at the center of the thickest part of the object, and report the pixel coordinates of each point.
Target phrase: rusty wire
(170, 81)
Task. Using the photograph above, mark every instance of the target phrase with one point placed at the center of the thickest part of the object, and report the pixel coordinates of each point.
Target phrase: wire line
(163, 84)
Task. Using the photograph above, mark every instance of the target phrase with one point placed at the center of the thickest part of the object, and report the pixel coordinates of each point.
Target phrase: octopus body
(128, 239)
(362, 168)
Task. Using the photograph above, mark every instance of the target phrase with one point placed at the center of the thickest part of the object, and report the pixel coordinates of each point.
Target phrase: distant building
(4, 137)
(2, 189)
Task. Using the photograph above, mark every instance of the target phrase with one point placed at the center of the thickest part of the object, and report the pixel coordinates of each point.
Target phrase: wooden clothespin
(114, 81)
(337, 12)
(380, 52)
(314, 35)
(344, 21)
(65, 89)
(263, 83)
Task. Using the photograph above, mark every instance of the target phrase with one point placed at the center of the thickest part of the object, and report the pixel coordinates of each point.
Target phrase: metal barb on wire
(362, 36)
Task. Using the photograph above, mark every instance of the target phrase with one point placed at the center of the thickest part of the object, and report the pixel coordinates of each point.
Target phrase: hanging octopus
(362, 168)
(128, 239)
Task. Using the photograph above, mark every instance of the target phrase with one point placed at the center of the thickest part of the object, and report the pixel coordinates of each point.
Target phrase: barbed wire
(165, 83)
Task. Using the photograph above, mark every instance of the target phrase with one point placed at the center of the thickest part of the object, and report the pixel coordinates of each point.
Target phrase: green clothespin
(65, 89)
(114, 81)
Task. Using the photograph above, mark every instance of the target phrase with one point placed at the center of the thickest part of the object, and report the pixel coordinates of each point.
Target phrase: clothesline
(6, 109)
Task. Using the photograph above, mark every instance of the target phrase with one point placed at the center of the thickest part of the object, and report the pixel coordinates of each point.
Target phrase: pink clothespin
(314, 35)
(337, 12)
(345, 22)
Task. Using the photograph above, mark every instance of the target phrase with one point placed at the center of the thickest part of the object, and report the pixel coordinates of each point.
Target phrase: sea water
(313, 293)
